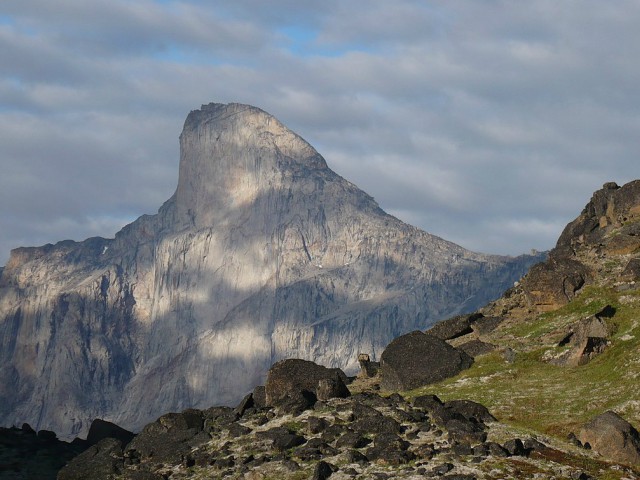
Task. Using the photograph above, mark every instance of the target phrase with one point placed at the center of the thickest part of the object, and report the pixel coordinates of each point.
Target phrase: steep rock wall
(262, 253)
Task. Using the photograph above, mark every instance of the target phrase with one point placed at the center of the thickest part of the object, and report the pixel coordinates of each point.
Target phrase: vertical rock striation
(262, 253)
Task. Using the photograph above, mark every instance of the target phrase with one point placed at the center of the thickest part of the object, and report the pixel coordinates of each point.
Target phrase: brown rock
(632, 270)
(368, 369)
(612, 437)
(554, 283)
(587, 338)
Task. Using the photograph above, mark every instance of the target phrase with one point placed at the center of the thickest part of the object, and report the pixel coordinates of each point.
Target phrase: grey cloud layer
(488, 123)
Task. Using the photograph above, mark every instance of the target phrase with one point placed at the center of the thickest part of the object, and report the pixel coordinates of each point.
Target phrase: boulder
(454, 327)
(428, 402)
(331, 388)
(416, 359)
(101, 429)
(293, 383)
(470, 410)
(612, 437)
(101, 461)
(245, 404)
(475, 348)
(368, 368)
(554, 283)
(323, 470)
(170, 437)
(486, 325)
(259, 397)
(587, 338)
(632, 270)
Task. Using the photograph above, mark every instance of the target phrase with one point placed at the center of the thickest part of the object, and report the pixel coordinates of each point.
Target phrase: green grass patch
(533, 394)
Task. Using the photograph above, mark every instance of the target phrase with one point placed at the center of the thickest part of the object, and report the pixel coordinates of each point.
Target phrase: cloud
(487, 123)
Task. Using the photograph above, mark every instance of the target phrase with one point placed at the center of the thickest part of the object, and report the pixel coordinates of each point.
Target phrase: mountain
(557, 362)
(262, 253)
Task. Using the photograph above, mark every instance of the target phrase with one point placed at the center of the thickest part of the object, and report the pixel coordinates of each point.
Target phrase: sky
(488, 123)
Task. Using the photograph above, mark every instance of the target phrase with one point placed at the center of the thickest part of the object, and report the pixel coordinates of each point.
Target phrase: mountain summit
(262, 253)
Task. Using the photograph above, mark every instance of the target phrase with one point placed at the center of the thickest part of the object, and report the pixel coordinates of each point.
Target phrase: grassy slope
(550, 399)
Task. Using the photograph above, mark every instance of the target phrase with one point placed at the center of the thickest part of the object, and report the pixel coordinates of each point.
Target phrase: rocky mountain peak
(262, 253)
(233, 156)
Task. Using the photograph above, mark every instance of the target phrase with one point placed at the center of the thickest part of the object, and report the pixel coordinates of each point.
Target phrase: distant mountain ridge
(262, 253)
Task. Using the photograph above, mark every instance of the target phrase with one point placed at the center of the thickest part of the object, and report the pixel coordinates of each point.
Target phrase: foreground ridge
(358, 434)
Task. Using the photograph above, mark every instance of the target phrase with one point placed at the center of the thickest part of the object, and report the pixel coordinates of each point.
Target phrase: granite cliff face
(262, 253)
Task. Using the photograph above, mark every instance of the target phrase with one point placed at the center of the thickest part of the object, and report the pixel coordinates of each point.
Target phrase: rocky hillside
(570, 331)
(521, 389)
(262, 253)
(306, 424)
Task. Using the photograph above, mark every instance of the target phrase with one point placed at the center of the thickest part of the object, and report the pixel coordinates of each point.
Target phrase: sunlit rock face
(262, 253)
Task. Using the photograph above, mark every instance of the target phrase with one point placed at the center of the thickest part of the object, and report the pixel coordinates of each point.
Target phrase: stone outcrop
(262, 253)
(608, 225)
(612, 437)
(454, 327)
(586, 339)
(101, 429)
(368, 368)
(294, 385)
(416, 359)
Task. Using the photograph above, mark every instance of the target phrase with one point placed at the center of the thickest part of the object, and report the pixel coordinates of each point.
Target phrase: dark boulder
(292, 384)
(470, 410)
(360, 411)
(417, 359)
(354, 456)
(475, 348)
(428, 402)
(454, 327)
(390, 449)
(259, 396)
(612, 437)
(465, 431)
(323, 470)
(515, 447)
(374, 424)
(245, 404)
(352, 439)
(285, 441)
(170, 437)
(101, 429)
(218, 418)
(331, 388)
(316, 425)
(101, 461)
(486, 325)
